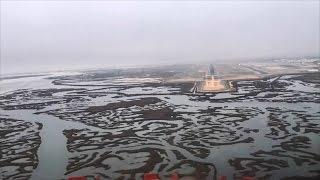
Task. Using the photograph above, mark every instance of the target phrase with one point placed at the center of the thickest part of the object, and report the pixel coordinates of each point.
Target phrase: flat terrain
(122, 123)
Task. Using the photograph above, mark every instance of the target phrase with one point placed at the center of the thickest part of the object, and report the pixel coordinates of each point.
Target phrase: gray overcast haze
(52, 35)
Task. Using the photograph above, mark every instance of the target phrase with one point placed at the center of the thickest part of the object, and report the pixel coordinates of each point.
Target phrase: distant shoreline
(21, 76)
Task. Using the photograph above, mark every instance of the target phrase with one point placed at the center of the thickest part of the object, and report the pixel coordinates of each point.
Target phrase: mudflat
(126, 123)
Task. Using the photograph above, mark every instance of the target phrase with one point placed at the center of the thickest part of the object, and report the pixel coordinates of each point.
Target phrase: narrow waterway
(52, 153)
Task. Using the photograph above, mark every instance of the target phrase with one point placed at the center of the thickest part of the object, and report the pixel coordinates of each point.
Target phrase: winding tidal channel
(56, 126)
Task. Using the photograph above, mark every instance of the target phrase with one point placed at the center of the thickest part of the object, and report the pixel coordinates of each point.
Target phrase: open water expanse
(95, 123)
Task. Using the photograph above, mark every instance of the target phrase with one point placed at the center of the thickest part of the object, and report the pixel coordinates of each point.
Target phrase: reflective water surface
(117, 127)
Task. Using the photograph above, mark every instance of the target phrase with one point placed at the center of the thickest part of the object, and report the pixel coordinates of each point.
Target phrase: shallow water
(220, 130)
(53, 154)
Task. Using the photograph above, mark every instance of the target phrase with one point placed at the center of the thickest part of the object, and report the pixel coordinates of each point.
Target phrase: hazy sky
(50, 35)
